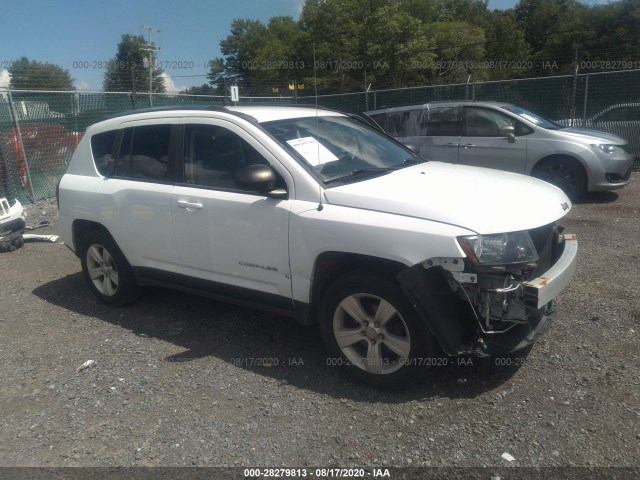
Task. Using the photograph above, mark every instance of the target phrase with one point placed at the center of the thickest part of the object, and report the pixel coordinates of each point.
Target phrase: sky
(80, 34)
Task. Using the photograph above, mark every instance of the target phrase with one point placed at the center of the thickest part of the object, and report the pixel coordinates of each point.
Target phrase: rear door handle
(469, 145)
(451, 145)
(189, 205)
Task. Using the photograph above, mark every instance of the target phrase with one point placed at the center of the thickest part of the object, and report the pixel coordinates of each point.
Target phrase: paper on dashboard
(312, 150)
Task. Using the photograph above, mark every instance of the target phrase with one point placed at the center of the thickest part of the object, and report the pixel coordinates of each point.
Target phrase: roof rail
(172, 108)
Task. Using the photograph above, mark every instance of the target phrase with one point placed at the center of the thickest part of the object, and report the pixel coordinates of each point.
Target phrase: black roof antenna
(315, 88)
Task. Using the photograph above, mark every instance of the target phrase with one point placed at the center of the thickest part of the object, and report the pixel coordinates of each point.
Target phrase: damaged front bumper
(12, 225)
(542, 290)
(490, 311)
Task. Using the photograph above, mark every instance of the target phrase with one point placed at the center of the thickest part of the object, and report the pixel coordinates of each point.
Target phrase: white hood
(480, 199)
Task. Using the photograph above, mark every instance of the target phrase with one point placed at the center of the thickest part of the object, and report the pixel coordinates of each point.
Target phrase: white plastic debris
(8, 213)
(12, 225)
(85, 365)
(508, 457)
(40, 238)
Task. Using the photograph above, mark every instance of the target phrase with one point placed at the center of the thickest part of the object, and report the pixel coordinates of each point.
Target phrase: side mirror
(258, 178)
(509, 132)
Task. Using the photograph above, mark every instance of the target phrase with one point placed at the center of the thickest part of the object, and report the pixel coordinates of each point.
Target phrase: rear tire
(371, 330)
(106, 270)
(565, 173)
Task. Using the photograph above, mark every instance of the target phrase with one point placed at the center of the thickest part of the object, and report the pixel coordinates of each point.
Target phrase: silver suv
(507, 137)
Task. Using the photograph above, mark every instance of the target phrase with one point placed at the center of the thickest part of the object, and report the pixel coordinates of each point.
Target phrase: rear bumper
(65, 230)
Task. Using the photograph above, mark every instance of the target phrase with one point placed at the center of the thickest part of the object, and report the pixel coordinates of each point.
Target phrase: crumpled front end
(498, 299)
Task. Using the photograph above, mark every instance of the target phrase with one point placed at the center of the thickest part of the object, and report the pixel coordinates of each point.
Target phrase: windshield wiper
(360, 171)
(408, 161)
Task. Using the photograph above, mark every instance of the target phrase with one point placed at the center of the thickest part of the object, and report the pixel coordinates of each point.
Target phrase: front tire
(106, 270)
(565, 173)
(371, 329)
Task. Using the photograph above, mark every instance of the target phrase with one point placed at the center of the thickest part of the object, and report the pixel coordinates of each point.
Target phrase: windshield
(340, 148)
(533, 118)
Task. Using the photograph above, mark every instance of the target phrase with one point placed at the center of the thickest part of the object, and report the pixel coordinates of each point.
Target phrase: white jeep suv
(314, 214)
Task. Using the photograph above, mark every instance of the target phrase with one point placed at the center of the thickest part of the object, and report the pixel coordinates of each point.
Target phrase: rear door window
(442, 121)
(144, 153)
(150, 152)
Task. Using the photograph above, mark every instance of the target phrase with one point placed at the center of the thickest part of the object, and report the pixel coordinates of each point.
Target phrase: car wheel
(565, 173)
(106, 270)
(371, 329)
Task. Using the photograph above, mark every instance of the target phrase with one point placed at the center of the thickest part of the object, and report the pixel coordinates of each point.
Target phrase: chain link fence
(39, 131)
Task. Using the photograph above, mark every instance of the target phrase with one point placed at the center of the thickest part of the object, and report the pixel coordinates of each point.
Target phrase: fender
(436, 305)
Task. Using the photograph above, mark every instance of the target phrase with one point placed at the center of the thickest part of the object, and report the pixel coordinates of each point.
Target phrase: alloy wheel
(371, 333)
(102, 270)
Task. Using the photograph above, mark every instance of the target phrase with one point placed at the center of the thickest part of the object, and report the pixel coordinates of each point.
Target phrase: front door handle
(469, 145)
(451, 145)
(190, 206)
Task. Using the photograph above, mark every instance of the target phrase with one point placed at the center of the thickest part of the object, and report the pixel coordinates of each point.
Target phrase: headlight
(499, 249)
(610, 149)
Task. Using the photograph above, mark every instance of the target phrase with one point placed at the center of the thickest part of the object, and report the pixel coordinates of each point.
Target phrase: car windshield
(533, 118)
(339, 148)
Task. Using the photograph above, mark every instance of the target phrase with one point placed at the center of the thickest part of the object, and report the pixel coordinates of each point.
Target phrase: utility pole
(151, 48)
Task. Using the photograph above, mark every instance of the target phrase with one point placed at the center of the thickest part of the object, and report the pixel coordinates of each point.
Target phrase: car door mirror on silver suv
(508, 131)
(259, 178)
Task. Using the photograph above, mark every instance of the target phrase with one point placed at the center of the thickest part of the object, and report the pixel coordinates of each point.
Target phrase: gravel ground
(181, 380)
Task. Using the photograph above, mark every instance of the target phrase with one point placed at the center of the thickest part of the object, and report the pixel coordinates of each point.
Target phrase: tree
(129, 70)
(403, 43)
(541, 19)
(340, 31)
(471, 11)
(398, 45)
(203, 89)
(239, 49)
(258, 57)
(221, 74)
(460, 47)
(557, 30)
(505, 45)
(278, 59)
(32, 75)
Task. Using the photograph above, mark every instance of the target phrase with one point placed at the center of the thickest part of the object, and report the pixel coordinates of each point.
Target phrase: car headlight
(610, 149)
(499, 249)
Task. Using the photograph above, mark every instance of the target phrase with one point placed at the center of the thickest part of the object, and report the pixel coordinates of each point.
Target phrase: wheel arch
(331, 265)
(576, 161)
(426, 290)
(80, 229)
(560, 156)
(114, 290)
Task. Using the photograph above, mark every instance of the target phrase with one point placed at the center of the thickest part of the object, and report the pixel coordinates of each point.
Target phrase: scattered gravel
(181, 380)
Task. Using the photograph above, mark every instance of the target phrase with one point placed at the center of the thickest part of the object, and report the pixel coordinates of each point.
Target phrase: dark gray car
(622, 119)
